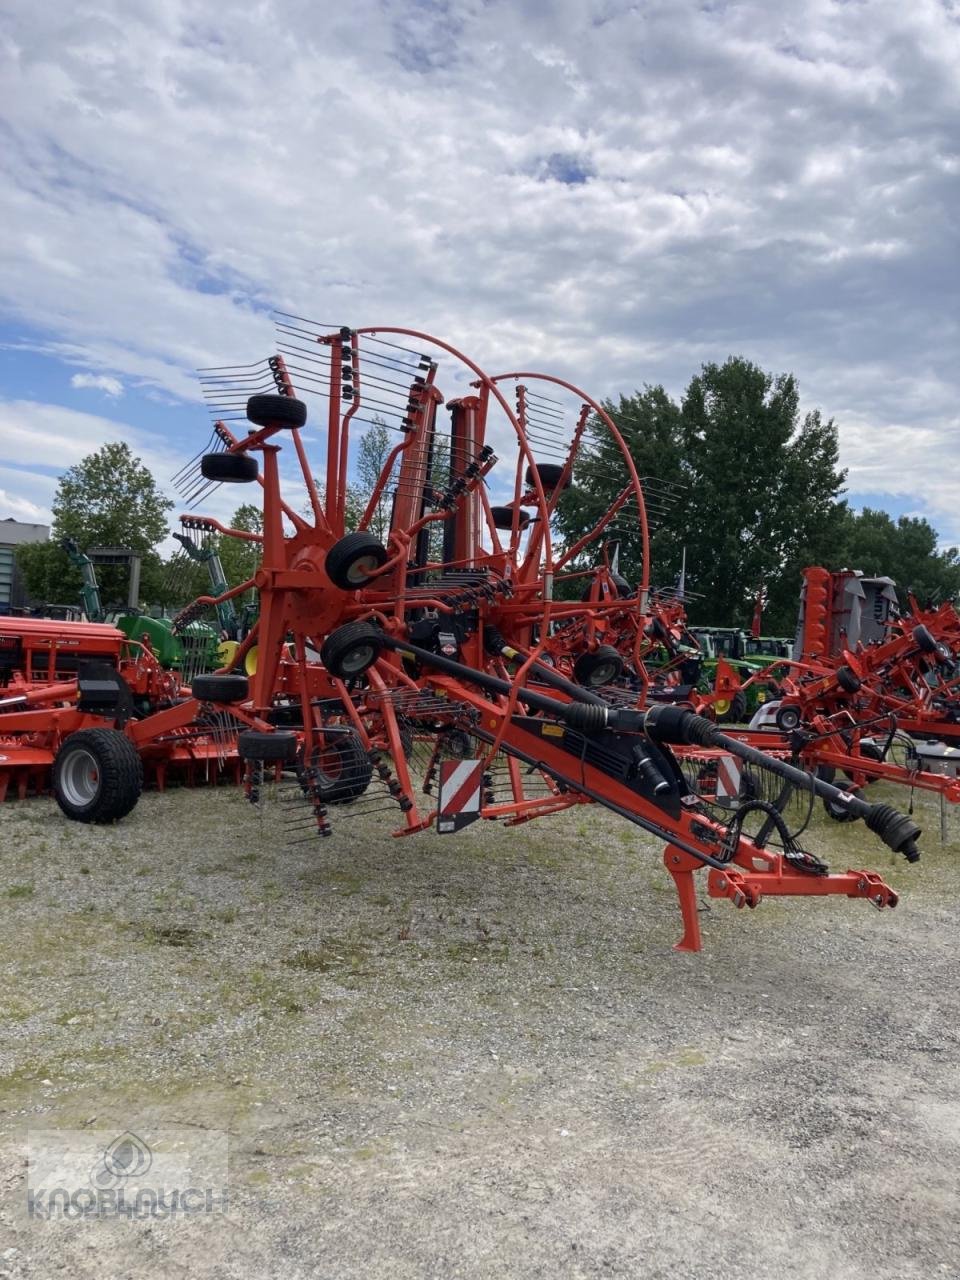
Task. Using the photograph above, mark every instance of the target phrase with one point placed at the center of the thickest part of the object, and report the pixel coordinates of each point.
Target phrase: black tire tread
(276, 411)
(345, 638)
(229, 468)
(253, 744)
(348, 549)
(121, 772)
(220, 688)
(549, 473)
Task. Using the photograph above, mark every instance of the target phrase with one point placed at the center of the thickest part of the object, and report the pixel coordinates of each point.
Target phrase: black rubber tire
(351, 639)
(923, 639)
(942, 654)
(737, 711)
(847, 680)
(254, 745)
(226, 689)
(229, 468)
(103, 762)
(351, 560)
(343, 768)
(624, 590)
(549, 473)
(601, 666)
(869, 751)
(276, 411)
(455, 744)
(787, 718)
(503, 518)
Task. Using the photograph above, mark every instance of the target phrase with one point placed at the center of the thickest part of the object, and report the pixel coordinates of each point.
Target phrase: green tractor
(191, 649)
(747, 655)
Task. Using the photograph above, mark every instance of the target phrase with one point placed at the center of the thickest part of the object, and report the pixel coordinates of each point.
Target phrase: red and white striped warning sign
(728, 777)
(461, 782)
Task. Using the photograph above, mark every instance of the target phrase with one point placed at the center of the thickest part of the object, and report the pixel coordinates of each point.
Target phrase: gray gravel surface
(478, 1055)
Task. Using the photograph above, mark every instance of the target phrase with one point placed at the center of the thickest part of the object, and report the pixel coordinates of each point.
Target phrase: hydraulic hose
(668, 724)
(678, 726)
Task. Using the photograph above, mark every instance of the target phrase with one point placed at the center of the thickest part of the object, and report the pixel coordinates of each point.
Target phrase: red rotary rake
(467, 629)
(854, 708)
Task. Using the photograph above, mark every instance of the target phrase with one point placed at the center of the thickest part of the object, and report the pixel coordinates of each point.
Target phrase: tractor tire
(602, 666)
(342, 769)
(549, 473)
(276, 411)
(351, 649)
(97, 775)
(923, 639)
(624, 590)
(735, 712)
(352, 560)
(942, 655)
(787, 718)
(253, 745)
(229, 468)
(226, 689)
(503, 518)
(847, 680)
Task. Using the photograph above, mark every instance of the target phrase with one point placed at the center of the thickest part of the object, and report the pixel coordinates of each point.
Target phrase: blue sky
(612, 192)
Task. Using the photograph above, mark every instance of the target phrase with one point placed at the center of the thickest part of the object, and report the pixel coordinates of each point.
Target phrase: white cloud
(777, 181)
(112, 387)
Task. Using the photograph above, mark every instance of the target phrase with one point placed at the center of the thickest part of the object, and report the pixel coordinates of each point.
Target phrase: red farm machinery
(461, 658)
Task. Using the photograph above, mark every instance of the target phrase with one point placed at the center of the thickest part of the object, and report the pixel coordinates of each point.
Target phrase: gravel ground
(477, 1055)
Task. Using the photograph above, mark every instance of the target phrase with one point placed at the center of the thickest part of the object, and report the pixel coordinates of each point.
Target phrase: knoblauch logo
(126, 1157)
(116, 1187)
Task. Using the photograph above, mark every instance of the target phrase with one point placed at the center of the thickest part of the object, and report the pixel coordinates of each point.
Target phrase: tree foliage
(108, 499)
(904, 549)
(733, 477)
(241, 559)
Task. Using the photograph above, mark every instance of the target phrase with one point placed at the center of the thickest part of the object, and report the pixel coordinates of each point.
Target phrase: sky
(615, 193)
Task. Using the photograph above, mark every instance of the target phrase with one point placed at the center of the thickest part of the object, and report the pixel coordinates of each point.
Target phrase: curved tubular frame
(627, 457)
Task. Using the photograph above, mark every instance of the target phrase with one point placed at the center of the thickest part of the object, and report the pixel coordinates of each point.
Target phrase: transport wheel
(352, 560)
(97, 775)
(923, 639)
(602, 666)
(351, 649)
(839, 811)
(787, 718)
(847, 681)
(341, 768)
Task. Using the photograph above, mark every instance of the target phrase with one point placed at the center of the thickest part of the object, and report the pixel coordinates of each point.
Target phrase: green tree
(650, 424)
(373, 452)
(108, 499)
(762, 492)
(240, 559)
(904, 549)
(732, 476)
